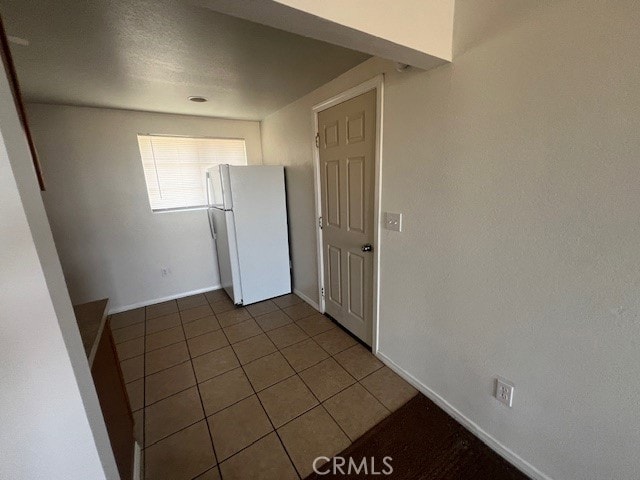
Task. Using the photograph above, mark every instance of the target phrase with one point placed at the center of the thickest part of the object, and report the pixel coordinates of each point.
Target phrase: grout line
(144, 335)
(205, 304)
(186, 322)
(264, 410)
(300, 378)
(231, 404)
(144, 322)
(135, 379)
(129, 339)
(186, 340)
(120, 360)
(174, 393)
(167, 345)
(159, 316)
(356, 381)
(219, 374)
(246, 338)
(321, 402)
(126, 326)
(170, 366)
(199, 318)
(261, 314)
(250, 384)
(290, 305)
(205, 333)
(205, 353)
(204, 412)
(143, 440)
(191, 357)
(173, 433)
(258, 391)
(162, 330)
(255, 392)
(207, 471)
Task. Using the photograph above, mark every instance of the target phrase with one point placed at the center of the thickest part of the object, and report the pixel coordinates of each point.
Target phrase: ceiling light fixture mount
(197, 99)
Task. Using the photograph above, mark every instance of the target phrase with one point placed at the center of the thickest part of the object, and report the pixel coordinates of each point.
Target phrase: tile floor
(238, 393)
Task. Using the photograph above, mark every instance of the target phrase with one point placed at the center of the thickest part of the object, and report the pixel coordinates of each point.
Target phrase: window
(174, 167)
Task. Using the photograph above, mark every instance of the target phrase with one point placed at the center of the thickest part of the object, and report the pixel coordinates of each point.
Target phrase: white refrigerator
(248, 220)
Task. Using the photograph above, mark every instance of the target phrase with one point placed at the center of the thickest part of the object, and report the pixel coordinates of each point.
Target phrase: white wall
(517, 170)
(110, 243)
(52, 427)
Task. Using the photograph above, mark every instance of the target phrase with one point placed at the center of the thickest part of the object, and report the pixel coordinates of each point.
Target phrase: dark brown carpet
(425, 444)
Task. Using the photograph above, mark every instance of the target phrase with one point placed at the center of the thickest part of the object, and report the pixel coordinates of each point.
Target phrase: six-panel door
(347, 171)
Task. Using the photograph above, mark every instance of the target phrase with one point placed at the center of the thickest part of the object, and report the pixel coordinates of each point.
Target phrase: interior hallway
(256, 392)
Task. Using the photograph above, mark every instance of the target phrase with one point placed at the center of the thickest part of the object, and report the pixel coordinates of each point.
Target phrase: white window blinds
(174, 167)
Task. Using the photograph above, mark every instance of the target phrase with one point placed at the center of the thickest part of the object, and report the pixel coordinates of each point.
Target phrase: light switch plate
(393, 221)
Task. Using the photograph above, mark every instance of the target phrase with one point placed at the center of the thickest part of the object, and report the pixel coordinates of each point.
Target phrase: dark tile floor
(246, 393)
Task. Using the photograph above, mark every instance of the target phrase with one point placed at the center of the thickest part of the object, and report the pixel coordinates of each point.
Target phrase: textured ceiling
(151, 55)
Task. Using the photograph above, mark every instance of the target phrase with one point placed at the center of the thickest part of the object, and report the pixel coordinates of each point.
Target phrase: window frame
(169, 135)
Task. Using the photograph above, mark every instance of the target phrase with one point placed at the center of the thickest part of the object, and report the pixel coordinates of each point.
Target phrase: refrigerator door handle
(213, 232)
(207, 189)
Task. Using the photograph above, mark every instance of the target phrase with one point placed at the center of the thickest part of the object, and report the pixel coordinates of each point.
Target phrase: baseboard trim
(137, 462)
(306, 299)
(146, 303)
(469, 424)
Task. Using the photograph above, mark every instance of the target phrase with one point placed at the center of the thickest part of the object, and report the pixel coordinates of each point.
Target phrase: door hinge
(320, 222)
(317, 140)
(322, 292)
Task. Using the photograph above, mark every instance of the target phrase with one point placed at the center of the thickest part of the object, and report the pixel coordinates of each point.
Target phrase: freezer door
(219, 188)
(210, 192)
(225, 239)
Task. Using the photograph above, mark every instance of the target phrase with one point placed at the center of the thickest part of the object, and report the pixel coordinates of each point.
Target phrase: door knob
(366, 247)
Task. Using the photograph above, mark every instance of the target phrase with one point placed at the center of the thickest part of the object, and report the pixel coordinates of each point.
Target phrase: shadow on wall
(471, 29)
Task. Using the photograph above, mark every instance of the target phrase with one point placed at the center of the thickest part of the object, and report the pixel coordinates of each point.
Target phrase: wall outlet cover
(504, 391)
(393, 221)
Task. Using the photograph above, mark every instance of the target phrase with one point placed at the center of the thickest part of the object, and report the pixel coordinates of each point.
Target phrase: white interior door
(347, 174)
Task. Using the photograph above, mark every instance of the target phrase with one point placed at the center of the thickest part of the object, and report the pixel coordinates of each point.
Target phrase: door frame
(377, 84)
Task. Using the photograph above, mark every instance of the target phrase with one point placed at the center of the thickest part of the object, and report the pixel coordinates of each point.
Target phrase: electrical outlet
(393, 221)
(504, 391)
(165, 271)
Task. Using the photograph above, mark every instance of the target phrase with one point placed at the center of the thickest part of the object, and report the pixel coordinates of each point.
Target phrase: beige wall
(52, 426)
(287, 140)
(423, 26)
(516, 169)
(109, 241)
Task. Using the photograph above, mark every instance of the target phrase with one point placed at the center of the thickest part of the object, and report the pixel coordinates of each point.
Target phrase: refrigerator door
(260, 213)
(225, 238)
(219, 188)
